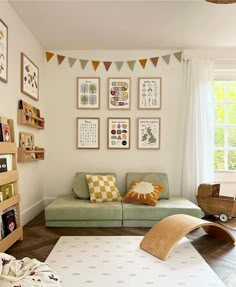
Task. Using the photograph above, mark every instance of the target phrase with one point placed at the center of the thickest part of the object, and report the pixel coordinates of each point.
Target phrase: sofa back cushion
(152, 177)
(80, 186)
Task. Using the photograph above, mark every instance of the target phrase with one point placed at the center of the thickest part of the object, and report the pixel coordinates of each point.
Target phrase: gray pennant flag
(71, 61)
(83, 63)
(119, 65)
(178, 56)
(166, 58)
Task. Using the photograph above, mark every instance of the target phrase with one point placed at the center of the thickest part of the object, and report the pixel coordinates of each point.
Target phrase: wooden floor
(39, 241)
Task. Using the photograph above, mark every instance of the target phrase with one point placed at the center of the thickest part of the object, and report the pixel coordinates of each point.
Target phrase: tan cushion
(102, 188)
(143, 192)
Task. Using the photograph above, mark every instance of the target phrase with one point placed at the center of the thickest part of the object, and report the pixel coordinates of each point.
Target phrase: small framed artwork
(29, 78)
(149, 133)
(88, 133)
(118, 133)
(88, 93)
(119, 93)
(149, 93)
(3, 51)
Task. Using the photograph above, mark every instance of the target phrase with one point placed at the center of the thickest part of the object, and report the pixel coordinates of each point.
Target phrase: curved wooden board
(164, 235)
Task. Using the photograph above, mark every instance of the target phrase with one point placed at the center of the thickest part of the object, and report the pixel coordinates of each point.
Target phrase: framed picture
(118, 133)
(3, 51)
(88, 93)
(88, 133)
(26, 140)
(119, 93)
(29, 78)
(149, 93)
(149, 133)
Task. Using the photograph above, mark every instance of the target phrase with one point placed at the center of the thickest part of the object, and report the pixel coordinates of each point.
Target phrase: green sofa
(76, 210)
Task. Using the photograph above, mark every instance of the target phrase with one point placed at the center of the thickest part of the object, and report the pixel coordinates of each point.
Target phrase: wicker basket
(209, 190)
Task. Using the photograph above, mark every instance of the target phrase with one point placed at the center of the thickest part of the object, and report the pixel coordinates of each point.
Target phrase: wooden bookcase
(6, 178)
(38, 154)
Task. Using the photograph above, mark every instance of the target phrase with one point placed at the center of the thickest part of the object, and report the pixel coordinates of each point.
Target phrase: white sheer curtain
(199, 127)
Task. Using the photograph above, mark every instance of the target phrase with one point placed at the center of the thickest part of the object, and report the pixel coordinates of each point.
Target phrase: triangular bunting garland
(49, 56)
(178, 56)
(95, 64)
(143, 62)
(119, 65)
(154, 61)
(83, 63)
(107, 65)
(131, 64)
(71, 61)
(60, 59)
(166, 58)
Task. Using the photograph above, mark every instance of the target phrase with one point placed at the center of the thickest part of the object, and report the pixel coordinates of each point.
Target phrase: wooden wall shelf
(25, 155)
(26, 119)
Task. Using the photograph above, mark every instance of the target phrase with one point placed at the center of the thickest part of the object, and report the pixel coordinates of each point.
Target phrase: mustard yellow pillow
(143, 192)
(102, 188)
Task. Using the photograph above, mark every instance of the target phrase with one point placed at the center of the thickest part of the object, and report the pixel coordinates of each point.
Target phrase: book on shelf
(5, 133)
(32, 114)
(8, 221)
(6, 191)
(5, 162)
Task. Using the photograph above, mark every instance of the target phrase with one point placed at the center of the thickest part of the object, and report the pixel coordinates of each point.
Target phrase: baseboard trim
(32, 212)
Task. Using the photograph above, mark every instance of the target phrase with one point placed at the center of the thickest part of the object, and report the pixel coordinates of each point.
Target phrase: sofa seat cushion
(164, 208)
(69, 208)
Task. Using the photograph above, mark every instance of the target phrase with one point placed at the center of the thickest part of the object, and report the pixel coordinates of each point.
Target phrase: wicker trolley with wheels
(212, 203)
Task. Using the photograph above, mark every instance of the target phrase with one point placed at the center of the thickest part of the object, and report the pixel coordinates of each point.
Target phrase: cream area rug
(112, 261)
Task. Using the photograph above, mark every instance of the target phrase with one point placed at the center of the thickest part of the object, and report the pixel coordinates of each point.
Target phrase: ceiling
(128, 25)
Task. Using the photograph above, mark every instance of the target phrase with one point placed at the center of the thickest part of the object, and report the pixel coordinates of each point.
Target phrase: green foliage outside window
(225, 125)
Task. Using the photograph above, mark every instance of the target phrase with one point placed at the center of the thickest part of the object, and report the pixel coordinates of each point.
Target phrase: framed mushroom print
(29, 78)
(88, 93)
(149, 133)
(3, 51)
(88, 133)
(149, 93)
(119, 93)
(118, 133)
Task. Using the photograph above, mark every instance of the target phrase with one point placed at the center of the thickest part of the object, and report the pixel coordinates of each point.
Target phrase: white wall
(21, 40)
(63, 160)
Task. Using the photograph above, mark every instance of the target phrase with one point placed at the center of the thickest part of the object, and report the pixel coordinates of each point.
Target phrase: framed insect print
(149, 93)
(29, 78)
(118, 133)
(88, 93)
(119, 93)
(3, 51)
(88, 133)
(149, 133)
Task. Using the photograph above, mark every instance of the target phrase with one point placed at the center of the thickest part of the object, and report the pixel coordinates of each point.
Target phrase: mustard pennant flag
(49, 56)
(166, 58)
(83, 63)
(71, 61)
(119, 65)
(143, 62)
(107, 65)
(131, 64)
(95, 64)
(154, 61)
(178, 56)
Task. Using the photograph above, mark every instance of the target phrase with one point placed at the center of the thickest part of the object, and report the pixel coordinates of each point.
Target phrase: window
(225, 125)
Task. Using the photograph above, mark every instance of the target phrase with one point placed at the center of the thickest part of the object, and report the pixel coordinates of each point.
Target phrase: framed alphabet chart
(88, 133)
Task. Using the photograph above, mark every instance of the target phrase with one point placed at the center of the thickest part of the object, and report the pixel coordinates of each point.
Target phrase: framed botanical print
(3, 51)
(119, 93)
(118, 133)
(88, 93)
(149, 90)
(88, 133)
(29, 78)
(149, 133)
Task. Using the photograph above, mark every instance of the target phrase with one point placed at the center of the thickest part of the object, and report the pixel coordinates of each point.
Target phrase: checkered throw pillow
(102, 188)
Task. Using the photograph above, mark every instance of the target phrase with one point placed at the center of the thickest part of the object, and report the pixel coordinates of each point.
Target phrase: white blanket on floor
(26, 272)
